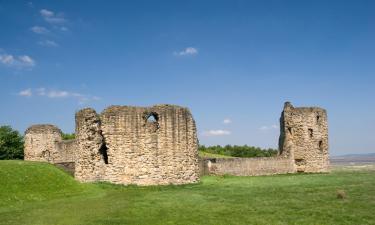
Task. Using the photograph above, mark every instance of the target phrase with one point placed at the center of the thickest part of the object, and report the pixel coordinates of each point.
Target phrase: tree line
(239, 151)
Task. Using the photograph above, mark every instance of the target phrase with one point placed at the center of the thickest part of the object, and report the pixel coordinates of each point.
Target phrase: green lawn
(39, 193)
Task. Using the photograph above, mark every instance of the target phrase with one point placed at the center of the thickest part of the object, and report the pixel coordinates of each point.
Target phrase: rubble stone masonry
(158, 145)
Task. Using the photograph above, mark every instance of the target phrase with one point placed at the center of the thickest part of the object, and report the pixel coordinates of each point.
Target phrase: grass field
(39, 193)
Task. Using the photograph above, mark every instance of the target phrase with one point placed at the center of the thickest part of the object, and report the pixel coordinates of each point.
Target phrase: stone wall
(303, 147)
(158, 145)
(304, 137)
(248, 166)
(137, 145)
(44, 143)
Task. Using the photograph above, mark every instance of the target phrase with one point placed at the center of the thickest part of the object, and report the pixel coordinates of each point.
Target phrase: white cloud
(60, 94)
(51, 17)
(26, 93)
(48, 43)
(227, 121)
(267, 128)
(187, 51)
(7, 59)
(22, 61)
(46, 13)
(211, 133)
(39, 30)
(26, 60)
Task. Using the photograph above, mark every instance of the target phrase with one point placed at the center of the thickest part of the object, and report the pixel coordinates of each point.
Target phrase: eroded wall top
(304, 137)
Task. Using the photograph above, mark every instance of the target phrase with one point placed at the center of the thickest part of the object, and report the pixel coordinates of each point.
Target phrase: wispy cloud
(26, 60)
(227, 121)
(25, 93)
(39, 30)
(187, 51)
(211, 133)
(59, 94)
(48, 43)
(51, 17)
(22, 61)
(267, 128)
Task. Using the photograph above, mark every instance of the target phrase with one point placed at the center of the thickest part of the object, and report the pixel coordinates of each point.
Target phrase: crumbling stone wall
(248, 166)
(90, 164)
(159, 145)
(303, 147)
(304, 137)
(44, 143)
(137, 145)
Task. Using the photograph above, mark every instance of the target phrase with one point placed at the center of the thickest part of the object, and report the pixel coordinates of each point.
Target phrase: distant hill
(353, 159)
(355, 155)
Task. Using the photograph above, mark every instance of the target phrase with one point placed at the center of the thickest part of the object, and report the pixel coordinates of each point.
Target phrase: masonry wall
(304, 137)
(137, 145)
(44, 143)
(303, 147)
(248, 166)
(158, 145)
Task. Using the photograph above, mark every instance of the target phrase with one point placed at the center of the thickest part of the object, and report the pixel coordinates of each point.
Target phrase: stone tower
(137, 145)
(304, 137)
(41, 142)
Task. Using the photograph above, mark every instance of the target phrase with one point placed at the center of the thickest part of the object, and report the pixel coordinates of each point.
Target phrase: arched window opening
(152, 121)
(152, 118)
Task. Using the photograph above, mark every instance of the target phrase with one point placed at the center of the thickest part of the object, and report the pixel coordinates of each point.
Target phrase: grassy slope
(37, 193)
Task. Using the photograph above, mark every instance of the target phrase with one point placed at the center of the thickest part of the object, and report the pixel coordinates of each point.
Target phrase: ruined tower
(137, 145)
(304, 137)
(43, 142)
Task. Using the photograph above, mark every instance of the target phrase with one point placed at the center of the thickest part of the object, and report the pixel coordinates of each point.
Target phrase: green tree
(67, 136)
(239, 151)
(11, 143)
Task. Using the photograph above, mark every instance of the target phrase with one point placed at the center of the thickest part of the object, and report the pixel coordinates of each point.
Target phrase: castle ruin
(158, 145)
(303, 147)
(304, 137)
(155, 145)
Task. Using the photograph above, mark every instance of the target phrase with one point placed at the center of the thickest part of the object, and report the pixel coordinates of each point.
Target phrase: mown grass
(39, 193)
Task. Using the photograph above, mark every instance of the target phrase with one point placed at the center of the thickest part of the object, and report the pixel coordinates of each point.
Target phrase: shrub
(11, 143)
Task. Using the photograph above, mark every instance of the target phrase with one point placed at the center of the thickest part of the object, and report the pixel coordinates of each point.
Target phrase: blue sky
(233, 63)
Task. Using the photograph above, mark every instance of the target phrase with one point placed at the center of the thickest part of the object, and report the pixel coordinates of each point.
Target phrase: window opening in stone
(152, 118)
(290, 130)
(311, 133)
(317, 118)
(320, 145)
(103, 151)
